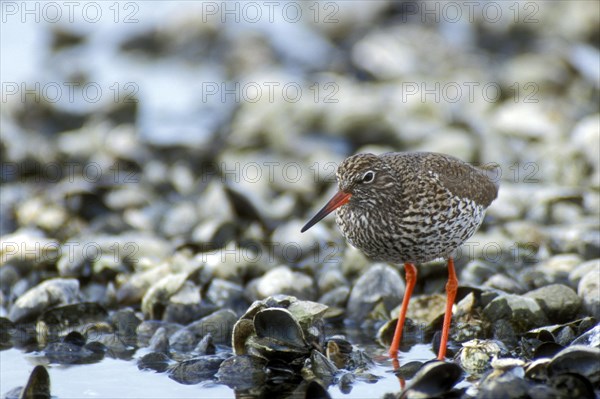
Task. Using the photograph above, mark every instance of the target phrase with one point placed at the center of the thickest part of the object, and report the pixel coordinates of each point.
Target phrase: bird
(410, 208)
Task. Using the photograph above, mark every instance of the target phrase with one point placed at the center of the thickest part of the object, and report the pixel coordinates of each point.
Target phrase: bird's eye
(368, 177)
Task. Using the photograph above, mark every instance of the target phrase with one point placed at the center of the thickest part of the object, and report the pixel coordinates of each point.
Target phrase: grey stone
(522, 313)
(578, 272)
(227, 295)
(559, 302)
(282, 280)
(381, 283)
(589, 291)
(53, 292)
(505, 283)
(218, 324)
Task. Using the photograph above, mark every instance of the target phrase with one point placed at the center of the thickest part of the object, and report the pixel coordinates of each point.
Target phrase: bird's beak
(338, 200)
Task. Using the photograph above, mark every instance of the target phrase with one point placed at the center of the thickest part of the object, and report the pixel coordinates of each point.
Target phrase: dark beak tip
(338, 200)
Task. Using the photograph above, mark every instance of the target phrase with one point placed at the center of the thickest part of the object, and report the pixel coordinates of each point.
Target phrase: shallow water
(112, 378)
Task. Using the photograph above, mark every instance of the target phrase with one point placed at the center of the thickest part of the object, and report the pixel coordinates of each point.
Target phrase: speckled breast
(429, 228)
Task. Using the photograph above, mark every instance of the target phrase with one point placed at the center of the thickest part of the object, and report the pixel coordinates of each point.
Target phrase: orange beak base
(338, 200)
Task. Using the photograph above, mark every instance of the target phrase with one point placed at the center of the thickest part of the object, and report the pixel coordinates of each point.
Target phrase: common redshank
(410, 208)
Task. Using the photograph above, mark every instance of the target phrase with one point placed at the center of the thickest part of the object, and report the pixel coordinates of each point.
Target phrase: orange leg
(411, 279)
(396, 365)
(451, 287)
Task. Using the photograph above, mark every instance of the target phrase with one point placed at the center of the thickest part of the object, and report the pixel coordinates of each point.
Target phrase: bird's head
(361, 178)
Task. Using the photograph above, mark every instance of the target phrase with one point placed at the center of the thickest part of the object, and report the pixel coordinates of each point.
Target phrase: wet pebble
(146, 329)
(195, 370)
(126, 323)
(159, 341)
(74, 350)
(330, 278)
(206, 346)
(294, 245)
(242, 372)
(381, 284)
(157, 361)
(183, 340)
(185, 306)
(219, 324)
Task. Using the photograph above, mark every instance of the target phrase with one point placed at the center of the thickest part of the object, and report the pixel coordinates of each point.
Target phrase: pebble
(195, 370)
(505, 283)
(589, 291)
(293, 246)
(219, 324)
(179, 219)
(330, 277)
(381, 284)
(581, 270)
(282, 280)
(520, 312)
(159, 294)
(29, 246)
(52, 292)
(559, 302)
(227, 295)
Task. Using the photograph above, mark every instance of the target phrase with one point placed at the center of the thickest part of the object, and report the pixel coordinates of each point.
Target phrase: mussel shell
(338, 351)
(572, 385)
(38, 385)
(434, 379)
(156, 361)
(547, 350)
(279, 325)
(270, 348)
(537, 370)
(319, 366)
(242, 330)
(577, 359)
(408, 370)
(55, 321)
(314, 390)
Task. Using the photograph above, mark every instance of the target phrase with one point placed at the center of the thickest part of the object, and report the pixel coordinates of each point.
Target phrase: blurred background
(170, 132)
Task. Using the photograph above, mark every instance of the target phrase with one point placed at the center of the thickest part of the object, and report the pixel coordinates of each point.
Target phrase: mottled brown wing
(460, 178)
